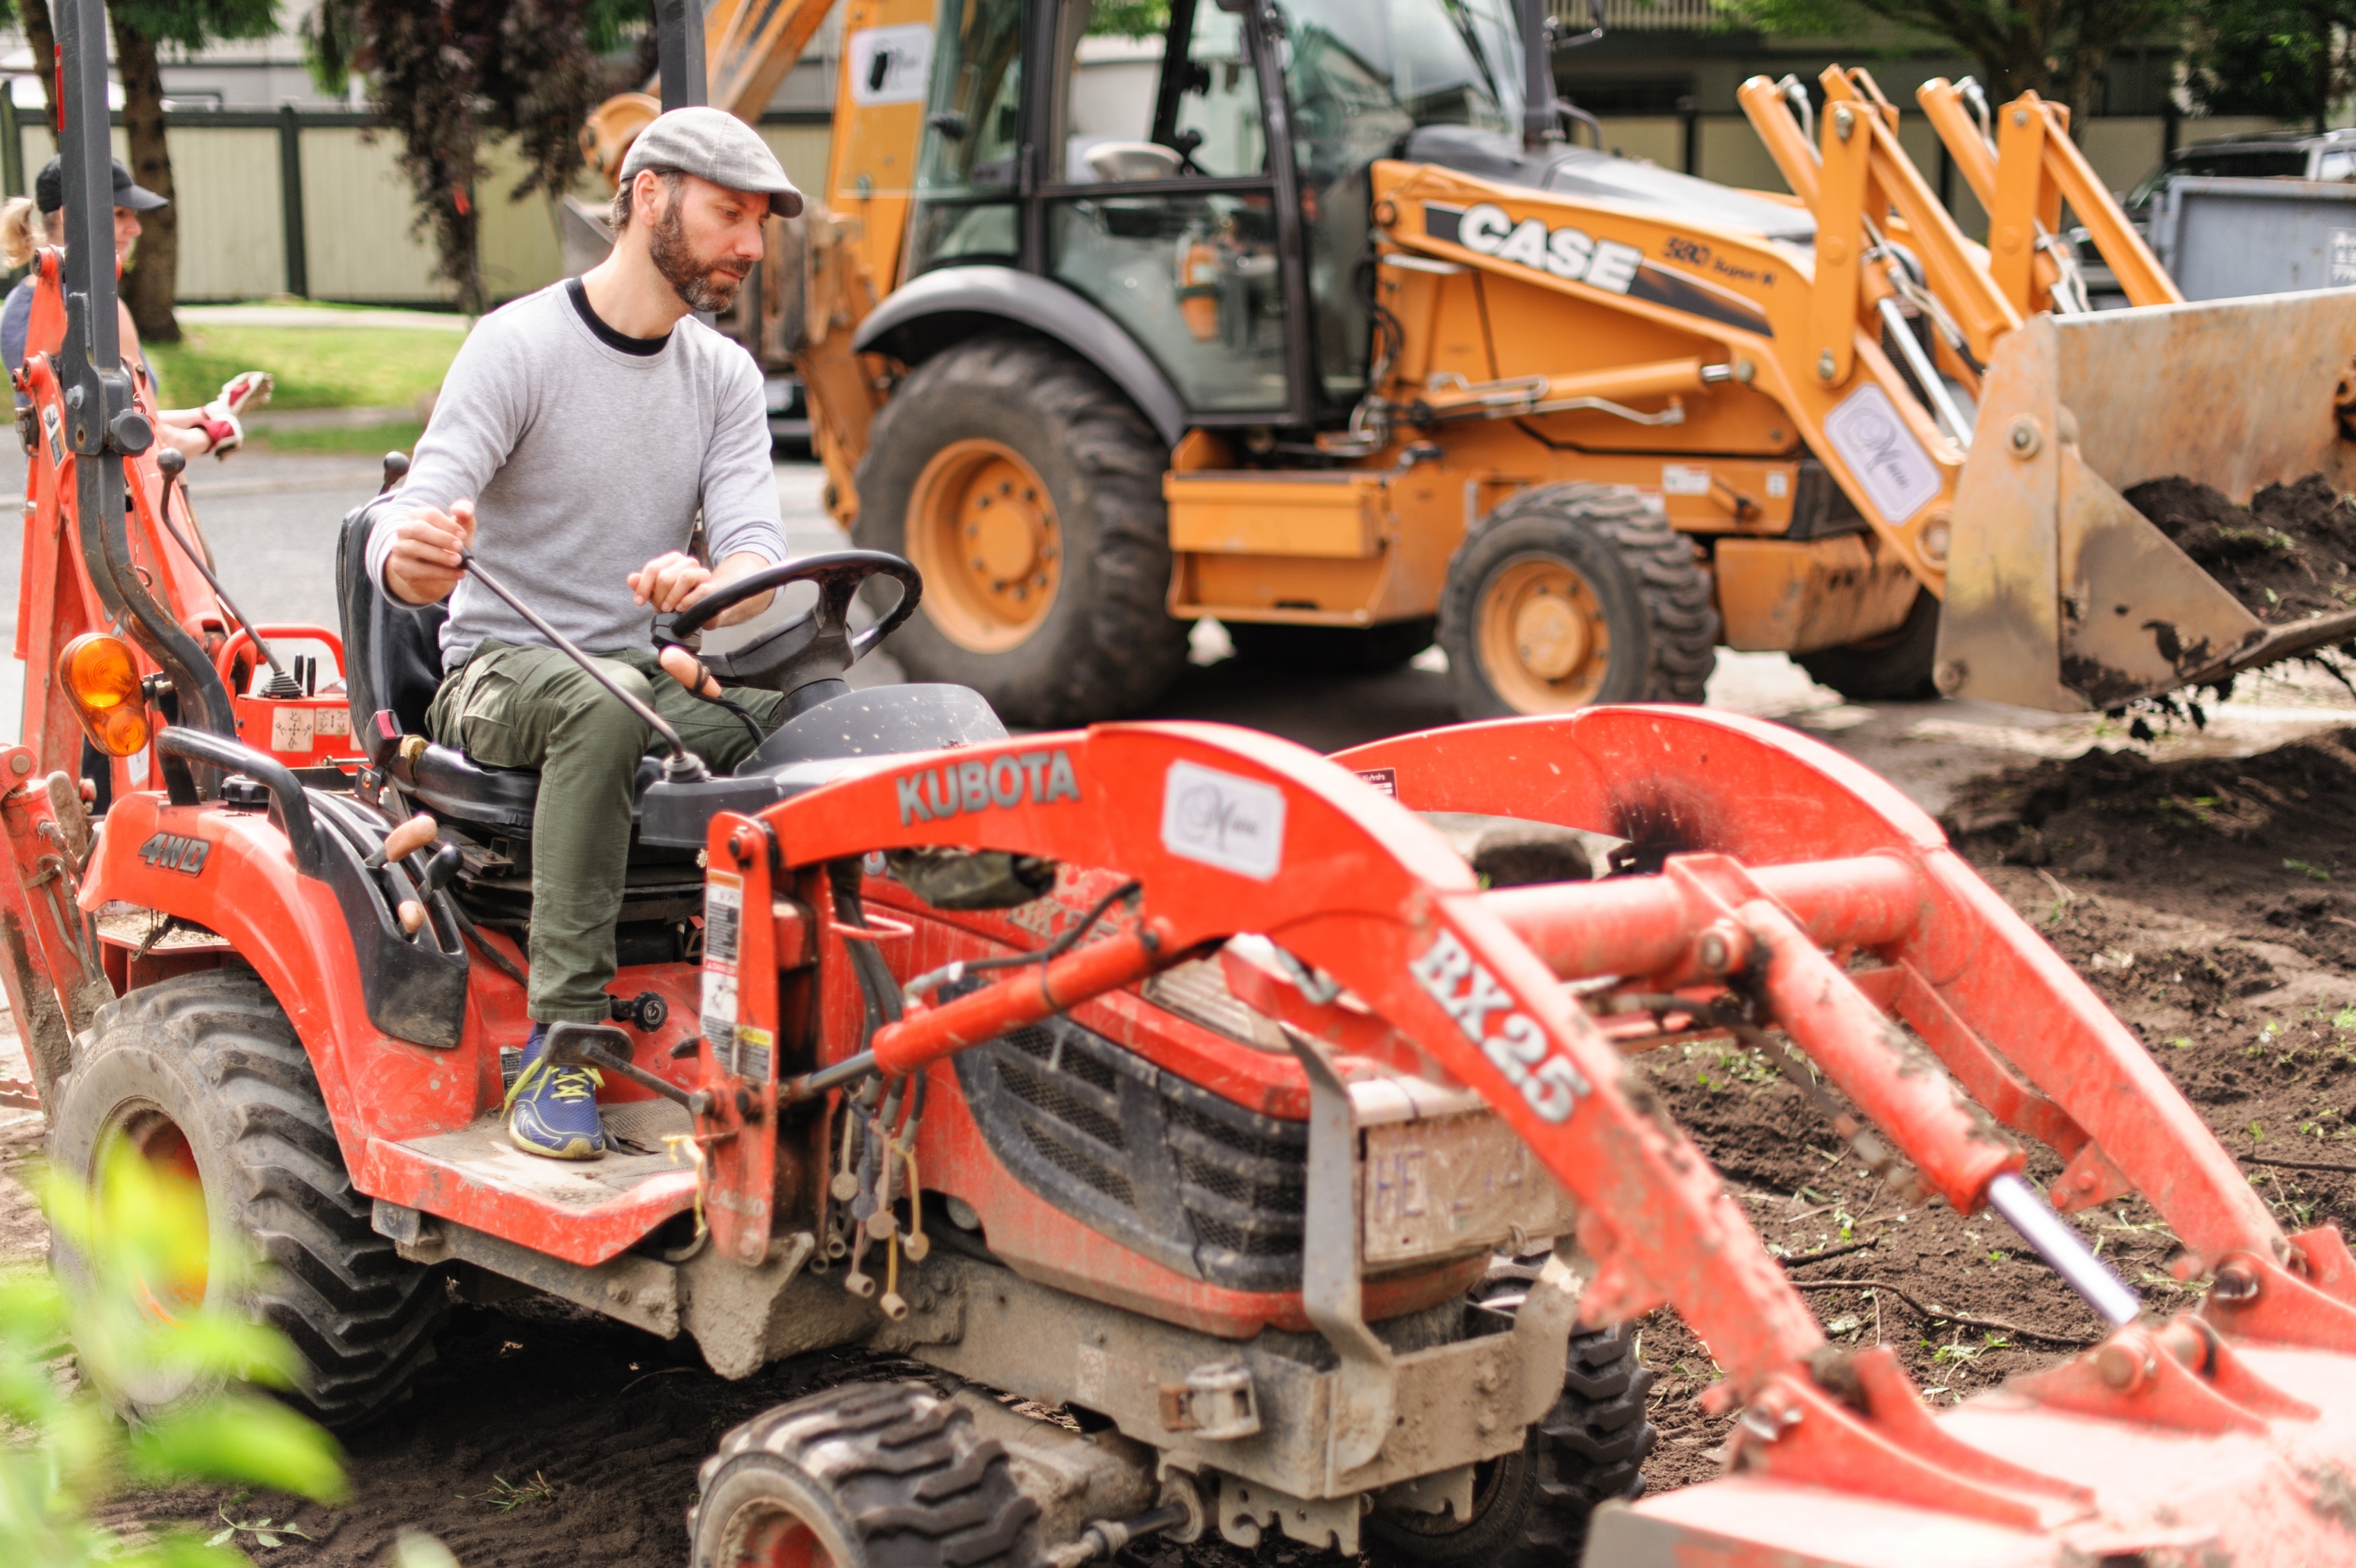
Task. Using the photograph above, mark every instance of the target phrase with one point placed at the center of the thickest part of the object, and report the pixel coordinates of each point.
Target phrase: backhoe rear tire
(1570, 595)
(1893, 667)
(867, 1476)
(1530, 1507)
(1028, 491)
(203, 1075)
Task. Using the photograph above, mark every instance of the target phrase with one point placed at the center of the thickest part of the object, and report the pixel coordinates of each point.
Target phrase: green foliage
(2058, 48)
(194, 23)
(334, 367)
(143, 1243)
(2288, 58)
(450, 76)
(1129, 18)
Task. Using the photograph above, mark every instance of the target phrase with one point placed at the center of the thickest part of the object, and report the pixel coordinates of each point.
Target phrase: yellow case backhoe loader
(1318, 326)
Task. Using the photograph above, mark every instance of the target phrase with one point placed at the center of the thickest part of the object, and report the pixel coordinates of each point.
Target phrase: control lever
(647, 1009)
(682, 766)
(603, 1046)
(395, 469)
(439, 871)
(171, 463)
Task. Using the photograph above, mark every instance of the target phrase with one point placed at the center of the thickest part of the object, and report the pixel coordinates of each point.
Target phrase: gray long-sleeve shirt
(588, 454)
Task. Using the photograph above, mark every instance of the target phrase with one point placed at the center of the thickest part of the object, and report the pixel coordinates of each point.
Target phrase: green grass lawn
(375, 440)
(337, 366)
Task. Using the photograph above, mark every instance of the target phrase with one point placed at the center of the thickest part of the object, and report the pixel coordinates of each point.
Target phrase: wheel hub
(981, 527)
(1551, 634)
(1543, 638)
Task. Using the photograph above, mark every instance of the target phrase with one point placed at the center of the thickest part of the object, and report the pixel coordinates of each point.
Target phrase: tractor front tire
(1570, 595)
(1893, 667)
(1028, 491)
(1530, 1507)
(867, 1476)
(202, 1074)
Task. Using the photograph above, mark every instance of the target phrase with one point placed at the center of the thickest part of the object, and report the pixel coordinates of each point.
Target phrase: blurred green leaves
(151, 1294)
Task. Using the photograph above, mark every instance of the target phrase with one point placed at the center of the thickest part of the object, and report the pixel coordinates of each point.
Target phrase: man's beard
(689, 274)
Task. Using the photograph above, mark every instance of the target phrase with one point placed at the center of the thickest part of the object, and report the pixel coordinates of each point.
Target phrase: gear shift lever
(171, 463)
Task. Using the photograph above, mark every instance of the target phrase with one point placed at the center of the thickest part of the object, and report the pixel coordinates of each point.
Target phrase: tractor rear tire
(868, 1475)
(1530, 1507)
(1893, 667)
(203, 1074)
(1028, 491)
(1570, 595)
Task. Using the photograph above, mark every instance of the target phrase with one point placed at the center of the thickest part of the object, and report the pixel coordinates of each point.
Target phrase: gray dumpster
(2224, 238)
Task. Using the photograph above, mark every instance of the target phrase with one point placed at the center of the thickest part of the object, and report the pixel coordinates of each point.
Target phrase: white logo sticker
(892, 65)
(1898, 475)
(1572, 254)
(2343, 257)
(1684, 478)
(1235, 823)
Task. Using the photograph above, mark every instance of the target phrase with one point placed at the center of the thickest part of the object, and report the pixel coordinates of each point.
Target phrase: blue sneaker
(553, 1110)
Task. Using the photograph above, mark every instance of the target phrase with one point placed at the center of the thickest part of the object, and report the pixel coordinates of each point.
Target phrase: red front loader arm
(1229, 832)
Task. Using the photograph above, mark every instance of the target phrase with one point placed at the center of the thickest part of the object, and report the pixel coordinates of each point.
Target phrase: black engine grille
(1170, 1170)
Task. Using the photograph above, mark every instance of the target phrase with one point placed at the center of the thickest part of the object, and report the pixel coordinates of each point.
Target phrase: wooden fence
(310, 203)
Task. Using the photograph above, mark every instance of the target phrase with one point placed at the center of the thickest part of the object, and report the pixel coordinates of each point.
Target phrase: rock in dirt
(2289, 554)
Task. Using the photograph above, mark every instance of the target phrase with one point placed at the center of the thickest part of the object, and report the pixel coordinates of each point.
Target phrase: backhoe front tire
(1570, 595)
(1893, 667)
(1530, 1507)
(1028, 491)
(203, 1075)
(868, 1476)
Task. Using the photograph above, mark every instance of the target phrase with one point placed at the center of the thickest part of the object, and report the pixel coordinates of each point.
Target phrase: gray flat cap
(715, 146)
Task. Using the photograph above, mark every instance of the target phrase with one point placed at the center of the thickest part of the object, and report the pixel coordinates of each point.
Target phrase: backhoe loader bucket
(2060, 594)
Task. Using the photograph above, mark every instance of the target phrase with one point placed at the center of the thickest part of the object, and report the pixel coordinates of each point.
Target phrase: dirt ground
(2210, 901)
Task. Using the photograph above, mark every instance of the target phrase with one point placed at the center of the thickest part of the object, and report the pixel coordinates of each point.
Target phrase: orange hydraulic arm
(749, 45)
(1864, 190)
(2022, 181)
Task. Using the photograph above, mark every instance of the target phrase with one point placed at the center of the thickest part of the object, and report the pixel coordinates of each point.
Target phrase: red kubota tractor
(1167, 1075)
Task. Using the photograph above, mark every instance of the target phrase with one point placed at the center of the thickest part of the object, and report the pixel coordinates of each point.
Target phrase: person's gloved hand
(220, 417)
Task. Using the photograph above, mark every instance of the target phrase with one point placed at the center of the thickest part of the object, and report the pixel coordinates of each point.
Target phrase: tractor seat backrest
(393, 665)
(392, 652)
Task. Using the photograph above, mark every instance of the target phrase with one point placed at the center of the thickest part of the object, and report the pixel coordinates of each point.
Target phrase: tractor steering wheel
(815, 646)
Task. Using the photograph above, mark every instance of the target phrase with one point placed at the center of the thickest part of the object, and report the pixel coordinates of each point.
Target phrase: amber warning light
(102, 681)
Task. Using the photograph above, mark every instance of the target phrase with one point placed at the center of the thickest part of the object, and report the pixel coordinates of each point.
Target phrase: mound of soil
(2289, 554)
(2268, 840)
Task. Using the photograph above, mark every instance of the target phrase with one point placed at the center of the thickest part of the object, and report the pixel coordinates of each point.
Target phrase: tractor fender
(234, 874)
(954, 303)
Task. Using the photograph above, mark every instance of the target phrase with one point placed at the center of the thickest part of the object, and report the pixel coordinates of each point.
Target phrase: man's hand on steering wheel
(817, 645)
(674, 580)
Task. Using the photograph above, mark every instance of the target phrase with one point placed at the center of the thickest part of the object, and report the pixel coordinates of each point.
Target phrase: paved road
(272, 518)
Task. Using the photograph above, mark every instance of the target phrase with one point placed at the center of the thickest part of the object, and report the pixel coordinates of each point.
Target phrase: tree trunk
(42, 40)
(149, 283)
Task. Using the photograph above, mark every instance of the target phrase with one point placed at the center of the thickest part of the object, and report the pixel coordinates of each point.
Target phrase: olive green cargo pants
(511, 707)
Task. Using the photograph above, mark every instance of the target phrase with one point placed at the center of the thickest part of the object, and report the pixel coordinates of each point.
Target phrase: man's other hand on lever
(427, 562)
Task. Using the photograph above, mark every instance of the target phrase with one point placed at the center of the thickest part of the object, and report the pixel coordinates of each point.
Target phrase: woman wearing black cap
(26, 224)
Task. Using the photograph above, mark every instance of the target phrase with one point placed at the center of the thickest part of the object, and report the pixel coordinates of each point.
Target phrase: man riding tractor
(579, 434)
